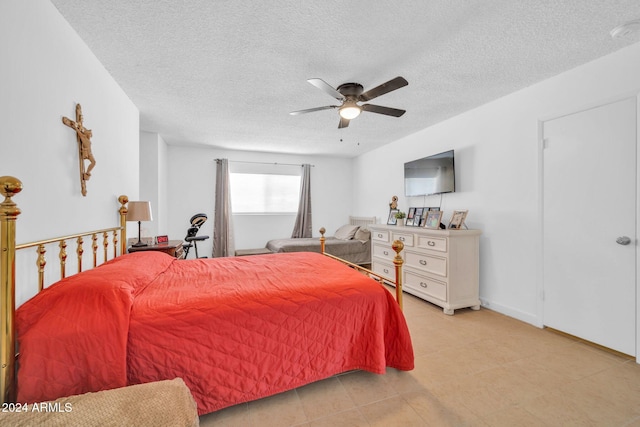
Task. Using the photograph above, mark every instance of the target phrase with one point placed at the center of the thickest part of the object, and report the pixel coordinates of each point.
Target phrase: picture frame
(423, 220)
(409, 222)
(434, 208)
(392, 220)
(433, 219)
(457, 219)
(419, 212)
(416, 220)
(411, 213)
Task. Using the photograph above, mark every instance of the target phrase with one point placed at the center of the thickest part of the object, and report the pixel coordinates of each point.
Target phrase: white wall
(47, 69)
(192, 189)
(497, 173)
(153, 182)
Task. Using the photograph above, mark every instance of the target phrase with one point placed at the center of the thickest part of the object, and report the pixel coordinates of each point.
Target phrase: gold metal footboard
(397, 246)
(10, 186)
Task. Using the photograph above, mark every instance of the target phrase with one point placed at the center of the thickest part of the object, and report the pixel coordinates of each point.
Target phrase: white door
(589, 201)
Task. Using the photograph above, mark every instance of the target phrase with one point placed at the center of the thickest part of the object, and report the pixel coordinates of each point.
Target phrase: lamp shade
(139, 211)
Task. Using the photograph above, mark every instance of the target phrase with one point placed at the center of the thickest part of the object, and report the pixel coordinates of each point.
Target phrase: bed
(351, 242)
(234, 329)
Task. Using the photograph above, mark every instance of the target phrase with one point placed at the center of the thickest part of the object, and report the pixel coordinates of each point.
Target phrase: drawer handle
(380, 235)
(386, 270)
(424, 285)
(386, 252)
(431, 243)
(423, 262)
(401, 238)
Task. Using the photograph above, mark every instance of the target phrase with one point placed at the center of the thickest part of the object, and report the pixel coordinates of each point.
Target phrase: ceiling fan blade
(310, 110)
(387, 87)
(343, 123)
(383, 110)
(326, 87)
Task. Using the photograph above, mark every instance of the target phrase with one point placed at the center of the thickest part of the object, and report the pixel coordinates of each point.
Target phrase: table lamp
(139, 211)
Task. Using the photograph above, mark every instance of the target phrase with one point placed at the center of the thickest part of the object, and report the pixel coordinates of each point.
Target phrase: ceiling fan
(352, 93)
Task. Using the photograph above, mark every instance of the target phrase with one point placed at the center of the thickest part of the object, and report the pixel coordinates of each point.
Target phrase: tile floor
(476, 368)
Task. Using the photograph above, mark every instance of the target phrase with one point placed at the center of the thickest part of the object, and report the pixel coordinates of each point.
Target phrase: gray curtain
(303, 220)
(223, 244)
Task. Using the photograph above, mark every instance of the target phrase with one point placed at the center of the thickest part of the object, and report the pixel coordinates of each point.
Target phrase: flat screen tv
(430, 175)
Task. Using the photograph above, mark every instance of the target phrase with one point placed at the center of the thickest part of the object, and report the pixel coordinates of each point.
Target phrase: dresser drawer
(386, 270)
(384, 252)
(380, 235)
(428, 263)
(406, 238)
(433, 243)
(426, 285)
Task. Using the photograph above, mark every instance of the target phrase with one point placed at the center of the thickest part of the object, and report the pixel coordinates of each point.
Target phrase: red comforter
(235, 329)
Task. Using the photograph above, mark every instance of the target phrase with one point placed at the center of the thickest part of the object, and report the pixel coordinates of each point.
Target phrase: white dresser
(440, 266)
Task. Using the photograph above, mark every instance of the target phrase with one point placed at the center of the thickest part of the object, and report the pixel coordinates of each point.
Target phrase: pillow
(363, 235)
(346, 232)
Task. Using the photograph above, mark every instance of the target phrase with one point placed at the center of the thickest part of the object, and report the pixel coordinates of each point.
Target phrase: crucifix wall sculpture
(83, 136)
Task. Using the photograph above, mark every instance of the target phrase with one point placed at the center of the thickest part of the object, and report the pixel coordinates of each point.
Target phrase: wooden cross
(83, 136)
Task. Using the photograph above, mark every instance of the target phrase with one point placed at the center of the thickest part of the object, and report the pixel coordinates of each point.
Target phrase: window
(259, 193)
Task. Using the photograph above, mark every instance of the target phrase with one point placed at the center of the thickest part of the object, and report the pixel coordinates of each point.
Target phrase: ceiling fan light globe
(350, 112)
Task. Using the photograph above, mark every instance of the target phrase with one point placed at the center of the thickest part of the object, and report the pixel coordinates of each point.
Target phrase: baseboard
(509, 311)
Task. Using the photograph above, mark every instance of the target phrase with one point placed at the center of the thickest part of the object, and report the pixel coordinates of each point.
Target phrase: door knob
(623, 240)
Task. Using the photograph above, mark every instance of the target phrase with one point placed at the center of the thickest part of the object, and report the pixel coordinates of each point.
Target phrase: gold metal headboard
(10, 186)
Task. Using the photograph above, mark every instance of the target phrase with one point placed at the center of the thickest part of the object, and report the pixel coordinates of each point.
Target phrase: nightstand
(172, 247)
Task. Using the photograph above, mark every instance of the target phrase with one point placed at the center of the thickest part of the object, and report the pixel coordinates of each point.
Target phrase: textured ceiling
(227, 74)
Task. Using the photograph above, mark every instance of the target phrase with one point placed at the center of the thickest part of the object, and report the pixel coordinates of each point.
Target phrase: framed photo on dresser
(392, 217)
(411, 213)
(433, 219)
(457, 219)
(417, 216)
